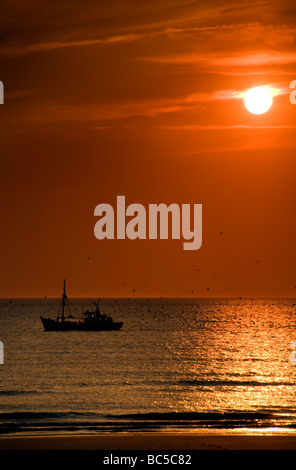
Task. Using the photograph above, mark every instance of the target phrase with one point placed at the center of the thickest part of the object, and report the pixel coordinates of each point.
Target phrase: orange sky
(143, 99)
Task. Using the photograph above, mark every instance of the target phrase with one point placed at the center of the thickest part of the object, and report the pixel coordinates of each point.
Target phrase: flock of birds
(144, 281)
(197, 270)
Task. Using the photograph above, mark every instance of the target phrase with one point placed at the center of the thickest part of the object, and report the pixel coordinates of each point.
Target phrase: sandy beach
(151, 442)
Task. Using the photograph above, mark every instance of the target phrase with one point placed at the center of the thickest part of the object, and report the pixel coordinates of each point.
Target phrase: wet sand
(151, 442)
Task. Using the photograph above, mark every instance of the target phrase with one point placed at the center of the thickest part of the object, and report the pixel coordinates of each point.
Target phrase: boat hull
(53, 325)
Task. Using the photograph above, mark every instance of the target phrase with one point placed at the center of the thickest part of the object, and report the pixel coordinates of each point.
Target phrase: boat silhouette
(89, 320)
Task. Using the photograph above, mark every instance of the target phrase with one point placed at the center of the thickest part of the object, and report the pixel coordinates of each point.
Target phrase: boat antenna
(97, 305)
(64, 300)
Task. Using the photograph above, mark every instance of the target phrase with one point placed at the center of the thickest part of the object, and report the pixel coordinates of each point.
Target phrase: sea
(176, 366)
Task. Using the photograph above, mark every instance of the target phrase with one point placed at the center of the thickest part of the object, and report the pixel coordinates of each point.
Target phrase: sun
(258, 100)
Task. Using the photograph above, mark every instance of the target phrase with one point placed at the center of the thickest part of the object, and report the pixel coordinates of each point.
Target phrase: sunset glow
(157, 105)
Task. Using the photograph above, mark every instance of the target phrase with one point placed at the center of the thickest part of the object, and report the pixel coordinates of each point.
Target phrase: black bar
(161, 459)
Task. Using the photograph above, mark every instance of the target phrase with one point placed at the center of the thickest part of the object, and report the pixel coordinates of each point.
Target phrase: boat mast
(64, 300)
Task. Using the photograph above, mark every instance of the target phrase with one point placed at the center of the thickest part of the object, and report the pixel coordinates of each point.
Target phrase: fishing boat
(89, 320)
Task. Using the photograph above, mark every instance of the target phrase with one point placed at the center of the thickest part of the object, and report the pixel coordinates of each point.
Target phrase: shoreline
(141, 441)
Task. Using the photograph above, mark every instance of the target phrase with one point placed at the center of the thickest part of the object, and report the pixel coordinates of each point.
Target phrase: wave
(197, 416)
(23, 416)
(33, 423)
(17, 392)
(44, 415)
(236, 383)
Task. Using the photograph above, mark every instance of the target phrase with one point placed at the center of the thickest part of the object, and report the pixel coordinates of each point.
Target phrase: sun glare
(258, 100)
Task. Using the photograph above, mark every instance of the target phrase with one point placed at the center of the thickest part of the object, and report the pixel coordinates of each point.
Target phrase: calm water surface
(175, 365)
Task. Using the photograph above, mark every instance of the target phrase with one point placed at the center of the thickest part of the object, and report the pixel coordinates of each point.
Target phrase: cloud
(234, 49)
(55, 111)
(49, 46)
(51, 112)
(255, 59)
(223, 127)
(231, 61)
